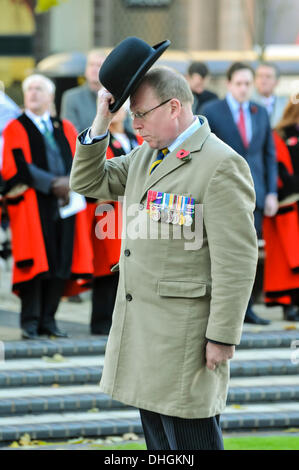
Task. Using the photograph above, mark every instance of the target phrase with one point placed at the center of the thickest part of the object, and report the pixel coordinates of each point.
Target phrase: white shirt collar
(268, 100)
(37, 120)
(196, 124)
(234, 104)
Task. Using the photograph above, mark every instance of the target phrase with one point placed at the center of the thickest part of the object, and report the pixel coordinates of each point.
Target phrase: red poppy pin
(253, 109)
(183, 155)
(116, 144)
(292, 141)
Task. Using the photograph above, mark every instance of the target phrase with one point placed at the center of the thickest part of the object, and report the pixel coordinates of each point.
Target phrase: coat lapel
(170, 163)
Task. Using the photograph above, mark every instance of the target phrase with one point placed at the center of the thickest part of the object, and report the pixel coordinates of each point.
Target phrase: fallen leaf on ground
(14, 445)
(56, 358)
(130, 436)
(238, 407)
(25, 440)
(111, 439)
(291, 430)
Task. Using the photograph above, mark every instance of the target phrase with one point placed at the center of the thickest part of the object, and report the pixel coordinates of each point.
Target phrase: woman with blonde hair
(281, 233)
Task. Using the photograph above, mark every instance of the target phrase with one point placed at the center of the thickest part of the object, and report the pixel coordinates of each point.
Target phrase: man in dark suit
(244, 125)
(79, 104)
(266, 80)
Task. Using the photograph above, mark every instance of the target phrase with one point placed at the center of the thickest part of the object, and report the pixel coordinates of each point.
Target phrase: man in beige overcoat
(180, 303)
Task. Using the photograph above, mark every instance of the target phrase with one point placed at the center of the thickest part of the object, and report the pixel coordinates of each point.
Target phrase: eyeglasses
(141, 115)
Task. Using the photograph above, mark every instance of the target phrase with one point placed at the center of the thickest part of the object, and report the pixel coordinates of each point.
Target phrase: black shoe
(29, 334)
(252, 318)
(53, 332)
(290, 313)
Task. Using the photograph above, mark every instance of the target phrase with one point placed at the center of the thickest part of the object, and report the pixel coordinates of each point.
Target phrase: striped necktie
(161, 154)
(49, 135)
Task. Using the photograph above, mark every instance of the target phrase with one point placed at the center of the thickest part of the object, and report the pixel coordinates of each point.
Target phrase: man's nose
(136, 123)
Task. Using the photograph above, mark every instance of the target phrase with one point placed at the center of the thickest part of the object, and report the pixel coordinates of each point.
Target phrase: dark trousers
(39, 302)
(103, 300)
(171, 433)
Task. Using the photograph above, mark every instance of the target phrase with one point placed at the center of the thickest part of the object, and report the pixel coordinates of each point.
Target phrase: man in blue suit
(244, 126)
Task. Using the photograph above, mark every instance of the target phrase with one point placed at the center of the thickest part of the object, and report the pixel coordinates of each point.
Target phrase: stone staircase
(49, 389)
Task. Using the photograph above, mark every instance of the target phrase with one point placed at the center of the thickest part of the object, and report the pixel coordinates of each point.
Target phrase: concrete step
(50, 376)
(46, 347)
(268, 339)
(57, 397)
(88, 398)
(50, 362)
(91, 375)
(62, 361)
(68, 425)
(264, 367)
(96, 345)
(87, 369)
(49, 400)
(263, 381)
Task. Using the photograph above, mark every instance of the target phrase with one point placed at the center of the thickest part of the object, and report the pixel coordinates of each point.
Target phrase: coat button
(141, 207)
(129, 297)
(127, 253)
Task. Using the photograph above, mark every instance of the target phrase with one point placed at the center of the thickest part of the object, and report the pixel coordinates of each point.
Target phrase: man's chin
(152, 144)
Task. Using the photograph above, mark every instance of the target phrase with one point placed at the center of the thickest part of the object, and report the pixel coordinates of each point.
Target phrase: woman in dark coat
(281, 233)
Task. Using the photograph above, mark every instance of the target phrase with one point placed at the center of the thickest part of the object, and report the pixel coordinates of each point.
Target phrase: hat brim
(132, 85)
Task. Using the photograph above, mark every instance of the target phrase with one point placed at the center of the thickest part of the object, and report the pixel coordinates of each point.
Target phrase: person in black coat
(197, 76)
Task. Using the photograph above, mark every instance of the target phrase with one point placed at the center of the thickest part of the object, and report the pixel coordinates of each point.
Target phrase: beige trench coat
(170, 299)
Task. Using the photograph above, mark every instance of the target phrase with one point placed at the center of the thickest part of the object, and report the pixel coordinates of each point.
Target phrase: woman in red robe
(281, 233)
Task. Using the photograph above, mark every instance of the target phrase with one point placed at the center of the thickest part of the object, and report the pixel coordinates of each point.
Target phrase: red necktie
(242, 127)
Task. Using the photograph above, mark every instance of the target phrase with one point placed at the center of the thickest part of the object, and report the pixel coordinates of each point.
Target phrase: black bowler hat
(125, 66)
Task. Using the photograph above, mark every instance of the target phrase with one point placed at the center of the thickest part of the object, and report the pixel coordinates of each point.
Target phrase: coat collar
(192, 144)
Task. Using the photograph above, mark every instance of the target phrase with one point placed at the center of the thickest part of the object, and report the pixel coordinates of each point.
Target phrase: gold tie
(161, 154)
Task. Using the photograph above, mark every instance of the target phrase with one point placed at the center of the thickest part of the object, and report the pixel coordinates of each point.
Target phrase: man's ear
(176, 107)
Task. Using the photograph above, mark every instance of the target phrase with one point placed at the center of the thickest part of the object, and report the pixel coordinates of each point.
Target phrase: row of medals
(172, 215)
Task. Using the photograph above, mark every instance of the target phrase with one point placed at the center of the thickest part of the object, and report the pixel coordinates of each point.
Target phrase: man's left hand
(271, 205)
(218, 353)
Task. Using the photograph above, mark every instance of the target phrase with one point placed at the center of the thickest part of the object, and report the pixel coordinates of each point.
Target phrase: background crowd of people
(56, 255)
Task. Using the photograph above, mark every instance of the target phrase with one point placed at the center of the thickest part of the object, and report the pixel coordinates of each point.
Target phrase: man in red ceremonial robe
(52, 255)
